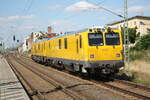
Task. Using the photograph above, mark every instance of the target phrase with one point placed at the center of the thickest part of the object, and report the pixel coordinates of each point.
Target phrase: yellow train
(95, 50)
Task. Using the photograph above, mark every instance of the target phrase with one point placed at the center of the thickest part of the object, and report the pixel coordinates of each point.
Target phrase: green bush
(143, 43)
(143, 55)
(27, 52)
(135, 55)
(133, 35)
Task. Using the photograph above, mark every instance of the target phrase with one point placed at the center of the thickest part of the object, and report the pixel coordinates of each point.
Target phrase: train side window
(49, 45)
(59, 43)
(80, 41)
(77, 46)
(36, 48)
(65, 43)
(39, 46)
(42, 46)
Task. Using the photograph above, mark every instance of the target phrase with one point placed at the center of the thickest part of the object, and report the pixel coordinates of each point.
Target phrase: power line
(111, 11)
(24, 12)
(106, 9)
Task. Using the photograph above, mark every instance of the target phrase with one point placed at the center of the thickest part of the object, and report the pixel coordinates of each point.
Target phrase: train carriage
(95, 50)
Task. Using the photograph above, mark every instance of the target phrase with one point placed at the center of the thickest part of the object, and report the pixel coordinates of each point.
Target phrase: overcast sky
(21, 17)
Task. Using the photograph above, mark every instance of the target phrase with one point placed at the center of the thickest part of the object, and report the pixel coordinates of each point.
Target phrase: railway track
(58, 86)
(131, 90)
(145, 88)
(135, 90)
(22, 79)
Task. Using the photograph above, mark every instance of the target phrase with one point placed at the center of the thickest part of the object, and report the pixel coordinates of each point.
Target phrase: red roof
(50, 35)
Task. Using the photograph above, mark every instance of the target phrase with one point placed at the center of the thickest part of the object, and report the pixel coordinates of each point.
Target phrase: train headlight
(91, 55)
(117, 55)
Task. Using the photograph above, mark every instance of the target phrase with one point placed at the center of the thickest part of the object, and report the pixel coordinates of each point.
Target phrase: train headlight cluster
(117, 55)
(91, 55)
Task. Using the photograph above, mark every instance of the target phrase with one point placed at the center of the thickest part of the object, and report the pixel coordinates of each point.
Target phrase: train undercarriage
(98, 67)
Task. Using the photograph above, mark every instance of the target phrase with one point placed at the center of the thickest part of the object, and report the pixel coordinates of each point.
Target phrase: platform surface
(10, 87)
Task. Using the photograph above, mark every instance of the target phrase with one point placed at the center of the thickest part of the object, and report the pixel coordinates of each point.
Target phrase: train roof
(62, 35)
(69, 33)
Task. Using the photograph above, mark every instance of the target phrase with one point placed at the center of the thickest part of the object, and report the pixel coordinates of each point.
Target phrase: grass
(140, 61)
(140, 55)
(27, 53)
(141, 78)
(146, 83)
(136, 77)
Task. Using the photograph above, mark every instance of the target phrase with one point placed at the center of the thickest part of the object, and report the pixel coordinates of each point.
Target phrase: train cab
(105, 50)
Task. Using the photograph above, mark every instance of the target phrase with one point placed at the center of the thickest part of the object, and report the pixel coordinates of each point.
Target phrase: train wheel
(89, 73)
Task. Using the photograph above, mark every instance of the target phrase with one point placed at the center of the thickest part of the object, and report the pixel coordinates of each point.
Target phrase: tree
(143, 43)
(133, 35)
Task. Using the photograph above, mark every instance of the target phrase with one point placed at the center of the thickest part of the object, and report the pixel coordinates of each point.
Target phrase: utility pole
(3, 47)
(126, 35)
(1, 44)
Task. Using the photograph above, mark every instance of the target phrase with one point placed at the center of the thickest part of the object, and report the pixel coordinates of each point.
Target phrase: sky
(21, 17)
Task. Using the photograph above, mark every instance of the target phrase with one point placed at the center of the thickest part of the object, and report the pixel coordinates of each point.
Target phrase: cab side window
(59, 43)
(65, 43)
(80, 41)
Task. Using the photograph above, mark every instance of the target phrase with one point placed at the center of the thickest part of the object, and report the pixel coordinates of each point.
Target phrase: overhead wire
(25, 13)
(18, 24)
(85, 10)
(72, 16)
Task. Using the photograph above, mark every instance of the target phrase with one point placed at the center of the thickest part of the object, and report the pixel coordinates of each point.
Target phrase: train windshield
(95, 39)
(112, 38)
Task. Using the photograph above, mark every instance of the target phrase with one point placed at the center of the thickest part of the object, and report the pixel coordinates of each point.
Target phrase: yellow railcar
(96, 50)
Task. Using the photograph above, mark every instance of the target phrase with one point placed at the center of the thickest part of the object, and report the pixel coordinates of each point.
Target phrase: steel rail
(44, 76)
(22, 78)
(140, 96)
(134, 85)
(123, 90)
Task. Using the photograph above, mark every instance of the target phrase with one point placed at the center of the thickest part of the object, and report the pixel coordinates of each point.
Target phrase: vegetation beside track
(143, 55)
(134, 76)
(142, 78)
(27, 53)
(139, 66)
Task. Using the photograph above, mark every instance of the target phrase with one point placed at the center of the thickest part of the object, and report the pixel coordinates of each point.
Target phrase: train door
(79, 47)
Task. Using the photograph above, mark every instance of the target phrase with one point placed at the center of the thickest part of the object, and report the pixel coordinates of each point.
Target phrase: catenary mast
(126, 35)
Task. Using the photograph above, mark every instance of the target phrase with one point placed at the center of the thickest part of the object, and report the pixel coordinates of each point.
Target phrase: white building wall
(36, 35)
(24, 46)
(141, 25)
